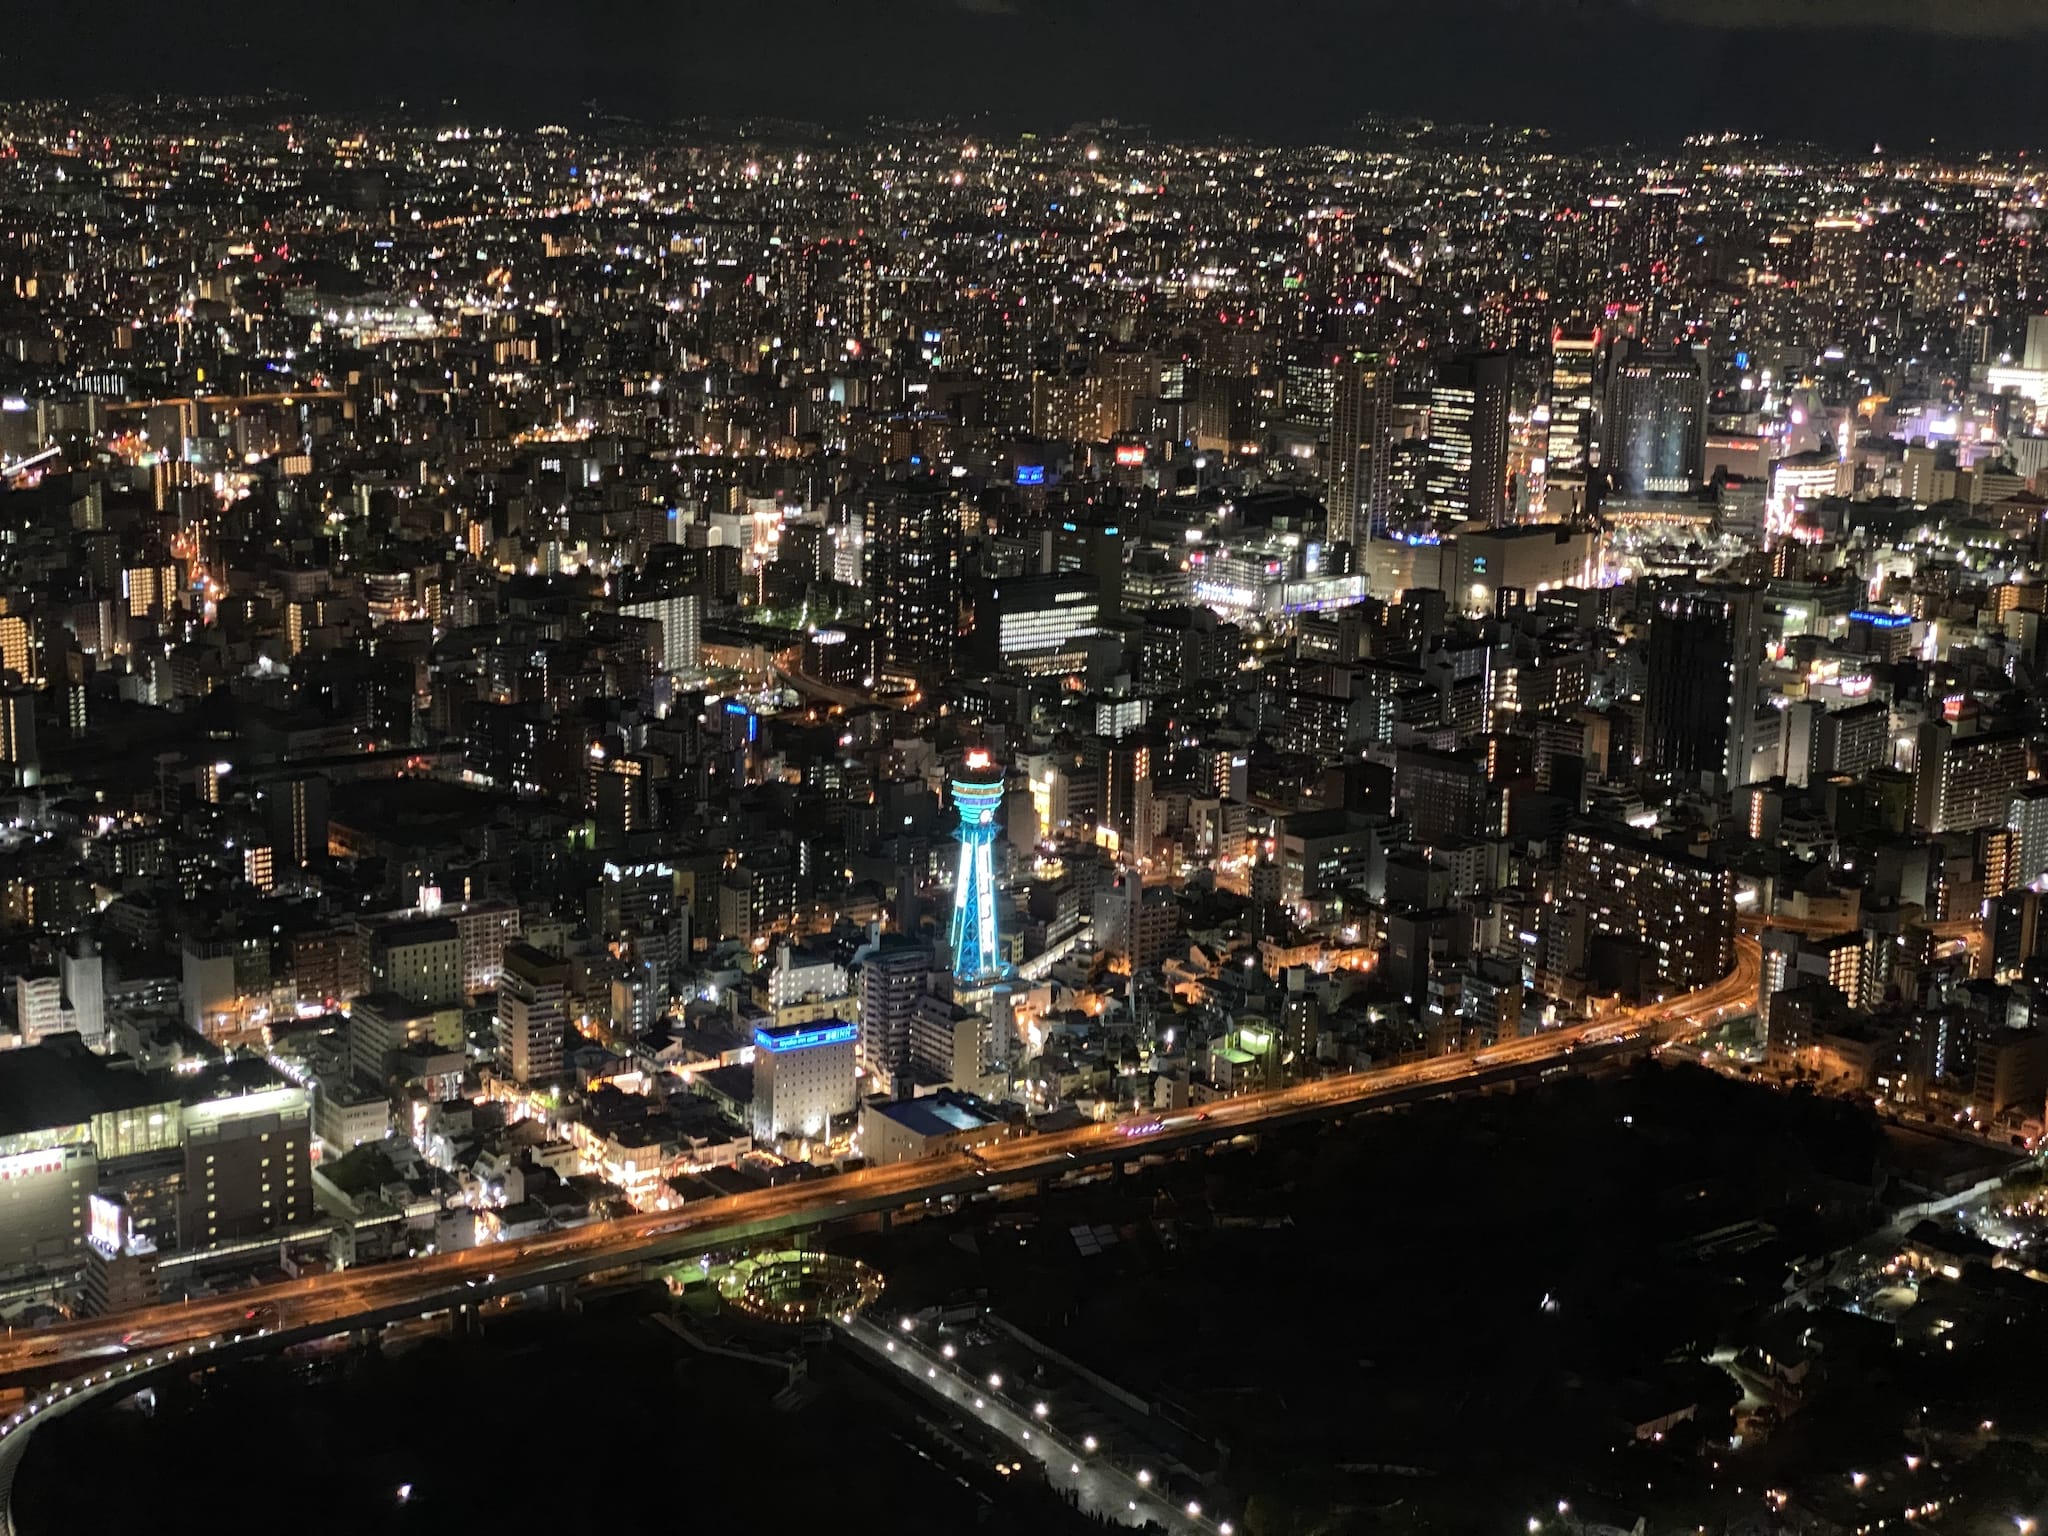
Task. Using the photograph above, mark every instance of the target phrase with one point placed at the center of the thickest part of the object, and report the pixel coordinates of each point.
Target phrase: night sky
(1847, 71)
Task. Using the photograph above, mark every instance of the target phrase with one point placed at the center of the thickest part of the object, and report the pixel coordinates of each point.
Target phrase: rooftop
(945, 1113)
(61, 1083)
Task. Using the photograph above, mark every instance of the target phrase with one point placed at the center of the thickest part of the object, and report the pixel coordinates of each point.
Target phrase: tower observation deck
(977, 794)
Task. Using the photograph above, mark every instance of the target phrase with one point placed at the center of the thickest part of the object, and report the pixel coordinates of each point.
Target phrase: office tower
(1093, 547)
(1964, 782)
(1702, 655)
(533, 1014)
(1038, 625)
(912, 539)
(893, 976)
(1528, 462)
(1655, 431)
(977, 794)
(1307, 387)
(1679, 908)
(1467, 476)
(1361, 436)
(1574, 401)
(803, 1076)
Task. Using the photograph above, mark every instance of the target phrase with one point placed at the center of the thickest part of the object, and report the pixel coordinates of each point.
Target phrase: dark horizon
(1592, 71)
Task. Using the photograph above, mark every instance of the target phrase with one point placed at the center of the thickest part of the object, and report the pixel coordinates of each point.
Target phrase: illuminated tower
(977, 792)
(1361, 439)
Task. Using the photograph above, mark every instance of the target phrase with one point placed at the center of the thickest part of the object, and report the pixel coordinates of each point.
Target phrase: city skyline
(1022, 826)
(1594, 71)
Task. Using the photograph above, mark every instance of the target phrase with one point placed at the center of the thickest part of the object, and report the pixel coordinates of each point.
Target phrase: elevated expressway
(368, 1296)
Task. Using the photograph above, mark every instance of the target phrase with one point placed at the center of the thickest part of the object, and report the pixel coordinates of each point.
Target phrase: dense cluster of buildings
(549, 673)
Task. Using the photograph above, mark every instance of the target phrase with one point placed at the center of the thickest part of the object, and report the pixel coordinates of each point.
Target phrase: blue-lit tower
(977, 793)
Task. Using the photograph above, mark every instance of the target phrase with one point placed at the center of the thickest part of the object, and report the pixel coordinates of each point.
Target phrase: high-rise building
(1307, 383)
(17, 647)
(894, 974)
(1574, 401)
(2035, 357)
(977, 796)
(1702, 655)
(1655, 431)
(1528, 461)
(681, 617)
(248, 1154)
(1964, 782)
(803, 1077)
(1681, 909)
(19, 762)
(1361, 437)
(1035, 624)
(1092, 547)
(84, 976)
(533, 1014)
(2027, 816)
(295, 812)
(912, 539)
(1467, 477)
(952, 1043)
(1841, 264)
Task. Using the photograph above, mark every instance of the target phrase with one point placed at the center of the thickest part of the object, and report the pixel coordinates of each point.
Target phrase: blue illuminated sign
(1031, 474)
(835, 1033)
(931, 338)
(1742, 361)
(1881, 620)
